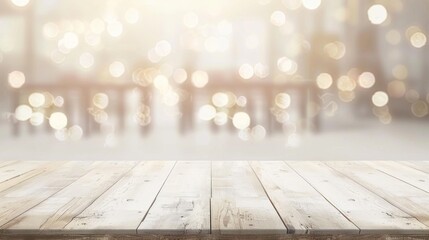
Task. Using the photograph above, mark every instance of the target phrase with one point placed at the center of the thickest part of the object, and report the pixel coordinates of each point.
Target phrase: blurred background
(214, 80)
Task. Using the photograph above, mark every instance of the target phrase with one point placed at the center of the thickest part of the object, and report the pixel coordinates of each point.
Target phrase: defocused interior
(214, 80)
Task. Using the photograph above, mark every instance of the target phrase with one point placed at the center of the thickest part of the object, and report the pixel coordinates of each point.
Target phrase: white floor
(366, 140)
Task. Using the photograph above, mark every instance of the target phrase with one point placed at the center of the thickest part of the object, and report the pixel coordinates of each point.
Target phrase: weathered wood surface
(122, 208)
(183, 205)
(212, 200)
(239, 203)
(367, 210)
(411, 200)
(302, 208)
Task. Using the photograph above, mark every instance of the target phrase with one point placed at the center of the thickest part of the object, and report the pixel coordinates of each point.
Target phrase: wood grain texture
(239, 204)
(407, 174)
(26, 172)
(219, 200)
(408, 198)
(370, 212)
(422, 166)
(183, 205)
(121, 209)
(58, 210)
(302, 208)
(10, 171)
(6, 163)
(26, 195)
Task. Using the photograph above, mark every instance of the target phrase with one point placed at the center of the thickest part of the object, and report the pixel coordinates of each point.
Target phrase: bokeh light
(377, 14)
(36, 100)
(380, 99)
(58, 120)
(16, 79)
(23, 112)
(117, 69)
(207, 112)
(241, 120)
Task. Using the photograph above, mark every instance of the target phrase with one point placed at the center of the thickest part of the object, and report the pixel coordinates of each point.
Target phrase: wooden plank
(418, 165)
(58, 210)
(6, 163)
(183, 205)
(407, 174)
(34, 170)
(239, 203)
(235, 179)
(14, 170)
(302, 208)
(409, 199)
(24, 196)
(371, 213)
(121, 209)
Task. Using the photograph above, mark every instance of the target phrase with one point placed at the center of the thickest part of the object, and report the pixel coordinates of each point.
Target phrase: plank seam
(412, 166)
(394, 205)
(324, 197)
(268, 196)
(9, 163)
(154, 200)
(95, 199)
(412, 185)
(47, 196)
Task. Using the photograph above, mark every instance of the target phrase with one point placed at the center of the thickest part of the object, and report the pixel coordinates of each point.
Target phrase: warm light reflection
(377, 14)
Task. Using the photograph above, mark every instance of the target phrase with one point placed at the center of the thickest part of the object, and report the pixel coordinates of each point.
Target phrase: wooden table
(213, 199)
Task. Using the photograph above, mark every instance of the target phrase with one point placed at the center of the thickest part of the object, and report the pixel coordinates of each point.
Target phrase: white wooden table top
(214, 198)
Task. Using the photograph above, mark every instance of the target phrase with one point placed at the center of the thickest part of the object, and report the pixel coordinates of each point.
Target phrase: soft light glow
(345, 83)
(377, 14)
(132, 16)
(366, 80)
(418, 40)
(246, 71)
(180, 75)
(115, 28)
(278, 18)
(221, 118)
(258, 132)
(100, 100)
(161, 83)
(207, 112)
(23, 113)
(283, 100)
(311, 4)
(37, 119)
(380, 99)
(36, 100)
(220, 99)
(117, 69)
(86, 60)
(335, 50)
(190, 20)
(163, 48)
(70, 40)
(393, 37)
(200, 79)
(75, 133)
(16, 79)
(97, 26)
(400, 72)
(420, 109)
(324, 81)
(50, 30)
(20, 3)
(241, 120)
(58, 120)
